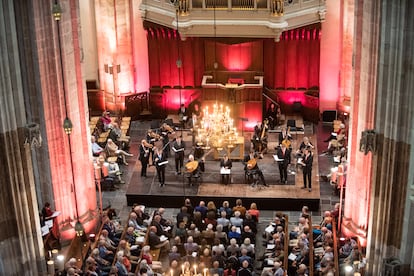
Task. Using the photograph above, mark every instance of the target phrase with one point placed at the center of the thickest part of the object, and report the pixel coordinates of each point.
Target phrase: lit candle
(60, 260)
(205, 271)
(54, 253)
(182, 269)
(171, 271)
(195, 270)
(50, 267)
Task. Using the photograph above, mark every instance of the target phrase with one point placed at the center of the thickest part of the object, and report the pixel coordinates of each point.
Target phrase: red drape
(292, 63)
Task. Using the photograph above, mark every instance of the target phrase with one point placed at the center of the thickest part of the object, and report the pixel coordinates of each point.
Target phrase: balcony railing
(265, 17)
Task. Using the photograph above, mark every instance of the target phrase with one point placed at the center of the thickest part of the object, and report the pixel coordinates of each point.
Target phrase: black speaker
(329, 116)
(291, 123)
(297, 106)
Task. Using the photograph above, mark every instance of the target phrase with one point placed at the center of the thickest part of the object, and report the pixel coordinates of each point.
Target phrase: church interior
(121, 119)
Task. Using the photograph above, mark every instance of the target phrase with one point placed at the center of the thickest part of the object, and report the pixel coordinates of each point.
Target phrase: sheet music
(163, 163)
(45, 230)
(277, 158)
(223, 170)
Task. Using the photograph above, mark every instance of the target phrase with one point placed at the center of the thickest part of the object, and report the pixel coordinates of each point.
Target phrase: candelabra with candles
(187, 270)
(216, 129)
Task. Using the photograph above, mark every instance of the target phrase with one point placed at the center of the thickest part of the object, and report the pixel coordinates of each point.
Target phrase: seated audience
(113, 150)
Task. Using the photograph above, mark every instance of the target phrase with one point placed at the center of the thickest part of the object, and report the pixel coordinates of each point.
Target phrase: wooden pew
(286, 245)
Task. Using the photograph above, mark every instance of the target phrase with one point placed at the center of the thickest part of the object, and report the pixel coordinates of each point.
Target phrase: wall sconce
(368, 141)
(33, 136)
(109, 68)
(179, 63)
(79, 229)
(67, 126)
(57, 11)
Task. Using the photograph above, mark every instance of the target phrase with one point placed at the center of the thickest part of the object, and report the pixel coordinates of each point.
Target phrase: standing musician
(183, 115)
(273, 115)
(283, 154)
(160, 162)
(225, 163)
(260, 137)
(152, 137)
(251, 168)
(144, 155)
(178, 147)
(165, 131)
(192, 169)
(306, 162)
(285, 134)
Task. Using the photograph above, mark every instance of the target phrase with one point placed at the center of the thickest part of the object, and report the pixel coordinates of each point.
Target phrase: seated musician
(192, 170)
(333, 136)
(305, 143)
(273, 115)
(225, 163)
(251, 168)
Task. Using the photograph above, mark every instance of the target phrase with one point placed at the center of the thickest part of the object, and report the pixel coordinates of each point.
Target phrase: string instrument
(167, 128)
(287, 143)
(147, 145)
(251, 163)
(191, 166)
(153, 134)
(261, 146)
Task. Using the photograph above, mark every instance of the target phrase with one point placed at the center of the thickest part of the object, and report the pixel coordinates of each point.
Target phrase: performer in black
(160, 162)
(227, 164)
(166, 130)
(144, 154)
(183, 115)
(192, 170)
(307, 169)
(273, 115)
(259, 138)
(178, 148)
(283, 154)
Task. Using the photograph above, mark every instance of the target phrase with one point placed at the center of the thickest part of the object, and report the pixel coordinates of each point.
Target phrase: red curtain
(291, 63)
(165, 49)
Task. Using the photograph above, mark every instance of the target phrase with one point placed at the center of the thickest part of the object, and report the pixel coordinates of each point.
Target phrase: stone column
(391, 221)
(358, 182)
(116, 62)
(21, 250)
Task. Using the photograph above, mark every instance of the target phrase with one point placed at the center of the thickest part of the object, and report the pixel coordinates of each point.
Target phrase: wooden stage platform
(289, 196)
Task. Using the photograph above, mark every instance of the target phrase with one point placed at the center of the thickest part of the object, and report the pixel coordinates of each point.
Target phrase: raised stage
(289, 196)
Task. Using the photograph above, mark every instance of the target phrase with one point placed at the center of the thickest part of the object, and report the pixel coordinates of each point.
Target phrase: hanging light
(57, 11)
(79, 229)
(67, 126)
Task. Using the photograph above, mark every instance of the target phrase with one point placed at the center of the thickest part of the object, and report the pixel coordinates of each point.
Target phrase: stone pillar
(330, 57)
(21, 250)
(392, 207)
(345, 80)
(358, 183)
(63, 94)
(115, 51)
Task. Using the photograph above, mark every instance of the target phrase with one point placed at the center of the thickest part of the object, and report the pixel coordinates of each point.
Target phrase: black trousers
(283, 171)
(307, 176)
